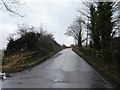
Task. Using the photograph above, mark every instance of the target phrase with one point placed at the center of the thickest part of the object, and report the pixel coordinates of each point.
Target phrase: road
(63, 70)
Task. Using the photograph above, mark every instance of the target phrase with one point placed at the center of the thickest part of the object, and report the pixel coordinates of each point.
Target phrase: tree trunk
(79, 41)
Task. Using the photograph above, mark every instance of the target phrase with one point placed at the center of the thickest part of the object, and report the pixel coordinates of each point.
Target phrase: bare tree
(76, 30)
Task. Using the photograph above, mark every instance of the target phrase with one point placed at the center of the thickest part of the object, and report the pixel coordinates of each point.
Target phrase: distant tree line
(29, 38)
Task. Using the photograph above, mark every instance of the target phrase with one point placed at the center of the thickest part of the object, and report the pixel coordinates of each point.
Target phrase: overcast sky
(54, 15)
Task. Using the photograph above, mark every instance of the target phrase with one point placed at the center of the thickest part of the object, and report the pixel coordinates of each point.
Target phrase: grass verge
(32, 60)
(110, 72)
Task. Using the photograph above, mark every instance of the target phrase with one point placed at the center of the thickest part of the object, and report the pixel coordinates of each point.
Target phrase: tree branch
(10, 10)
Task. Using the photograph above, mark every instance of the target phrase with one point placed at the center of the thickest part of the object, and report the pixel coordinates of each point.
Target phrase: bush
(32, 39)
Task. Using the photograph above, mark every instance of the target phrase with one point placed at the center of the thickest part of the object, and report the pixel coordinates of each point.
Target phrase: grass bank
(110, 72)
(22, 61)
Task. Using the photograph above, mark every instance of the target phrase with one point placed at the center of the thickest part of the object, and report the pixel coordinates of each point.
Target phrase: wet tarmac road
(64, 70)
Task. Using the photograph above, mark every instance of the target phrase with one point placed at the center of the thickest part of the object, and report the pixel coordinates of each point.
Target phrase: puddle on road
(57, 79)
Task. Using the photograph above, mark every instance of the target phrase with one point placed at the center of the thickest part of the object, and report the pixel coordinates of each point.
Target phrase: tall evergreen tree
(94, 27)
(105, 27)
